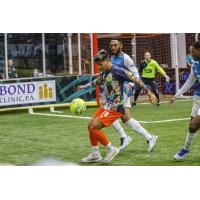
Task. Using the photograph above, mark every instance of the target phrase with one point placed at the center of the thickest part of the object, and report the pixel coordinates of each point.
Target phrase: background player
(148, 68)
(194, 124)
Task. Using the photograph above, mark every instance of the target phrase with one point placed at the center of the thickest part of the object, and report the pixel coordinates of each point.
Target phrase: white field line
(64, 116)
(79, 117)
(143, 122)
(182, 100)
(163, 121)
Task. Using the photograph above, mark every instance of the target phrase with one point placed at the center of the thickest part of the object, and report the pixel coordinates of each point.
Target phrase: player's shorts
(107, 117)
(196, 107)
(127, 101)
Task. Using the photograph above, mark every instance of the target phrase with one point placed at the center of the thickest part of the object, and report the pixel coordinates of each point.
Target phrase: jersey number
(104, 114)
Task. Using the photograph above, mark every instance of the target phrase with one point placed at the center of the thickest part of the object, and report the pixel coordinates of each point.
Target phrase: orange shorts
(106, 117)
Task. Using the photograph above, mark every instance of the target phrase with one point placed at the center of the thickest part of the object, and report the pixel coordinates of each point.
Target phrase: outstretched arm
(96, 81)
(130, 77)
(162, 72)
(186, 86)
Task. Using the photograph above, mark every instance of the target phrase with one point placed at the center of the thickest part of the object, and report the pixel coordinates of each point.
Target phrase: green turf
(25, 138)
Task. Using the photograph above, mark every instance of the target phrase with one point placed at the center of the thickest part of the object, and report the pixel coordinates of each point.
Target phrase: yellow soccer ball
(77, 106)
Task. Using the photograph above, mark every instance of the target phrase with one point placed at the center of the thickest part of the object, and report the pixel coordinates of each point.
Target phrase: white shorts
(127, 101)
(195, 107)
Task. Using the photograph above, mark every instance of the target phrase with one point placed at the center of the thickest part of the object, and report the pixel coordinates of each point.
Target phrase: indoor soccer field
(27, 138)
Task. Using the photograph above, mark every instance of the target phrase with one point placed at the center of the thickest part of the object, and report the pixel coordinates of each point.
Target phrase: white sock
(189, 139)
(109, 147)
(95, 150)
(135, 126)
(116, 124)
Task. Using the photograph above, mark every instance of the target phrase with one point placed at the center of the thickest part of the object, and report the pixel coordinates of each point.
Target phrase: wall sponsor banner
(27, 92)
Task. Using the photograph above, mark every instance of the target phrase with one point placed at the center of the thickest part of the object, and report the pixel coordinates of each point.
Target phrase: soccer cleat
(111, 154)
(92, 158)
(125, 142)
(152, 143)
(181, 154)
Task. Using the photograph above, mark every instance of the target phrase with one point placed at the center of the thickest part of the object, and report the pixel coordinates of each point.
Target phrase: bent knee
(193, 128)
(90, 127)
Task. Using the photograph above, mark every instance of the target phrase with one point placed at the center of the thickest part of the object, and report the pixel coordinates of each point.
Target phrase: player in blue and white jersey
(123, 60)
(194, 124)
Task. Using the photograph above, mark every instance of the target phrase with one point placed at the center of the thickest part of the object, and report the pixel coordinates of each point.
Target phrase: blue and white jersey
(194, 75)
(124, 60)
(196, 69)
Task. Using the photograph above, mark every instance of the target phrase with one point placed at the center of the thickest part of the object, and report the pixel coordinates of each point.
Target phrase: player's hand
(152, 97)
(80, 87)
(167, 79)
(172, 100)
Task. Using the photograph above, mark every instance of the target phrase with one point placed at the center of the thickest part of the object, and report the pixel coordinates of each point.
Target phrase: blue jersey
(189, 59)
(196, 70)
(123, 60)
(113, 81)
(194, 76)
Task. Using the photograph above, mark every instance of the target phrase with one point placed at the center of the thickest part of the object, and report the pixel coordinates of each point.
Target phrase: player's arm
(130, 77)
(95, 82)
(129, 64)
(186, 86)
(162, 72)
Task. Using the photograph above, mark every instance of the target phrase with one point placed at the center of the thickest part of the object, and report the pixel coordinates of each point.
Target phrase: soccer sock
(95, 150)
(98, 136)
(189, 139)
(135, 126)
(93, 139)
(109, 147)
(116, 124)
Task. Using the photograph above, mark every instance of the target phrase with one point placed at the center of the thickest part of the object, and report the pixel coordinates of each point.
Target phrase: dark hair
(101, 56)
(196, 45)
(119, 40)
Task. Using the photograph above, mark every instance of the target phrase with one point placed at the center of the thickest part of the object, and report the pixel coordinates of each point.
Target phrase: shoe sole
(91, 161)
(130, 139)
(177, 159)
(156, 137)
(116, 153)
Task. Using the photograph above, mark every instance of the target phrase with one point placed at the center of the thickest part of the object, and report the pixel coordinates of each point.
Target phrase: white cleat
(125, 142)
(92, 158)
(152, 143)
(111, 154)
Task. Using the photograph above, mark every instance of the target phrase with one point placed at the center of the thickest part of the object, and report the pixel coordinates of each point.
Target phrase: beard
(116, 52)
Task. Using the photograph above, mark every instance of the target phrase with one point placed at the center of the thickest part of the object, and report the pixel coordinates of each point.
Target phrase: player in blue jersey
(113, 79)
(194, 124)
(123, 60)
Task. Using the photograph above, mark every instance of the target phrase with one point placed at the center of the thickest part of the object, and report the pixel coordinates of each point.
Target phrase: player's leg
(154, 87)
(103, 118)
(124, 138)
(136, 94)
(194, 126)
(136, 127)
